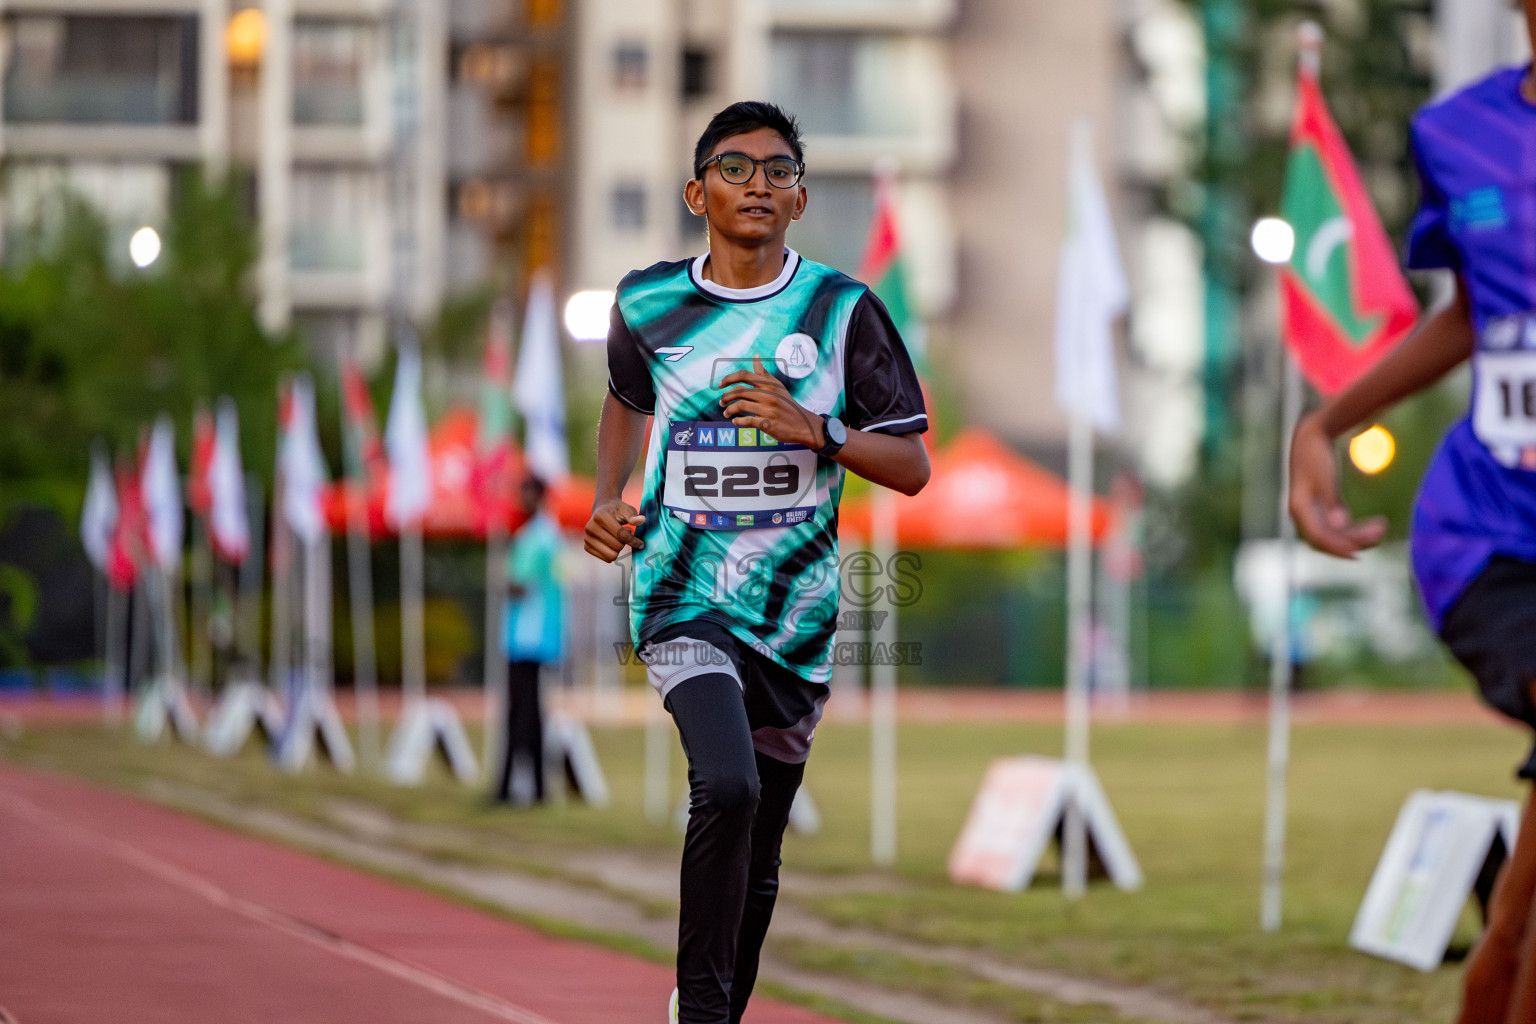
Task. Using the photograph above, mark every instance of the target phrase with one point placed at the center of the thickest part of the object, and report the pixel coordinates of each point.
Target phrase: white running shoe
(672, 1009)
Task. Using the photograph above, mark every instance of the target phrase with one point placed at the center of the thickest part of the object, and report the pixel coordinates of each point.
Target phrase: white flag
(539, 390)
(301, 462)
(226, 482)
(405, 441)
(99, 515)
(161, 487)
(1091, 295)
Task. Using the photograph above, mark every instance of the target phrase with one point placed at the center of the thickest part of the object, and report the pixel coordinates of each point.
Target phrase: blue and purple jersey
(1476, 155)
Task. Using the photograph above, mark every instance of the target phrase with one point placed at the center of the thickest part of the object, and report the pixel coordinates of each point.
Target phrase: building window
(332, 210)
(98, 69)
(629, 208)
(698, 73)
(330, 62)
(841, 83)
(630, 66)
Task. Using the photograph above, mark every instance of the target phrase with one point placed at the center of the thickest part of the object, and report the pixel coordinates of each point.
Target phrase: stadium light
(1273, 240)
(144, 247)
(586, 315)
(1373, 450)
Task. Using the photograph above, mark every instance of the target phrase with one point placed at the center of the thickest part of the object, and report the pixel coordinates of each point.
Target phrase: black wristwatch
(837, 436)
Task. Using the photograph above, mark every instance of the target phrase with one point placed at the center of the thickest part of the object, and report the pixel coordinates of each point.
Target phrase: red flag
(199, 492)
(494, 468)
(124, 552)
(1345, 302)
(364, 454)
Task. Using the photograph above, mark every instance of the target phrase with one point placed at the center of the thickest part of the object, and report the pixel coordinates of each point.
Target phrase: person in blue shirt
(534, 637)
(1474, 523)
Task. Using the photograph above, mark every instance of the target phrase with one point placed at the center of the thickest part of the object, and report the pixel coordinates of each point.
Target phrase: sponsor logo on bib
(797, 355)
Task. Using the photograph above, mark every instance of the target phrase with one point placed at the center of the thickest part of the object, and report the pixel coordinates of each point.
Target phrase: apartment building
(395, 151)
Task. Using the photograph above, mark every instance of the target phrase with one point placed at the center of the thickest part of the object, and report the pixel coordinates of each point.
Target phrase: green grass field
(1189, 798)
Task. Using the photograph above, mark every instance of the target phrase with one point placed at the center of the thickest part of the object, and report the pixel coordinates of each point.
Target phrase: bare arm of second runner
(1441, 342)
(620, 437)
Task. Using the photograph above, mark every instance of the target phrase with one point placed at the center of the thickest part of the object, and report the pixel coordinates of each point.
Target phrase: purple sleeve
(1430, 245)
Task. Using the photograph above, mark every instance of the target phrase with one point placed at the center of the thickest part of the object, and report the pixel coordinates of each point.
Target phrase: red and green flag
(363, 454)
(199, 493)
(1344, 300)
(493, 442)
(884, 269)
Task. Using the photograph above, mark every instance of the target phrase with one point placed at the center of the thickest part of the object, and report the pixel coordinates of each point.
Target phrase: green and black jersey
(740, 529)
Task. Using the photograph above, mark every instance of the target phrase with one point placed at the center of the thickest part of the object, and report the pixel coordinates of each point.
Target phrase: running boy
(767, 376)
(1474, 525)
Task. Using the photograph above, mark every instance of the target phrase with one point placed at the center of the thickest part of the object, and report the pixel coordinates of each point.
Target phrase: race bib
(1504, 406)
(723, 477)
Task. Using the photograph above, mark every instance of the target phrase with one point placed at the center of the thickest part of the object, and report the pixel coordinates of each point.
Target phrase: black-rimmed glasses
(738, 168)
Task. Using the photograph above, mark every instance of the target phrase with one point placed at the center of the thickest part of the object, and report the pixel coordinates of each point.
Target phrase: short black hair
(748, 116)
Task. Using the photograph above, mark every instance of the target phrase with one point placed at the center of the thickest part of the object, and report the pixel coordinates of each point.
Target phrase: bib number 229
(772, 481)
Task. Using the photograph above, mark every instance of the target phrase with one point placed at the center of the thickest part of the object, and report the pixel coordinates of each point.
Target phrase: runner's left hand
(767, 405)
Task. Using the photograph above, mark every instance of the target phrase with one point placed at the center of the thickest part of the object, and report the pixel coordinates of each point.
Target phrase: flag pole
(1280, 669)
(496, 696)
(412, 617)
(1074, 845)
(882, 695)
(365, 674)
(1074, 873)
(114, 681)
(1309, 58)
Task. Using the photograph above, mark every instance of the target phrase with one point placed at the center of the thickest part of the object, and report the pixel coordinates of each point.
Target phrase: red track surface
(116, 911)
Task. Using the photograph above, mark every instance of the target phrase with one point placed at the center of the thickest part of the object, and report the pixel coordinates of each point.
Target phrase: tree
(89, 349)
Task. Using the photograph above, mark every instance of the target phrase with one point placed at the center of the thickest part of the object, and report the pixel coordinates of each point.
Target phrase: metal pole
(1280, 672)
(882, 696)
(412, 616)
(496, 696)
(1074, 862)
(115, 681)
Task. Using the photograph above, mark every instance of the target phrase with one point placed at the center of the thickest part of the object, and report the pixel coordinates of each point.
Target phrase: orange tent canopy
(456, 509)
(981, 495)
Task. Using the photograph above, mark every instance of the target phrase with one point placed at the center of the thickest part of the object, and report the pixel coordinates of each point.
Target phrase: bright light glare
(144, 247)
(1372, 451)
(1273, 240)
(586, 315)
(246, 37)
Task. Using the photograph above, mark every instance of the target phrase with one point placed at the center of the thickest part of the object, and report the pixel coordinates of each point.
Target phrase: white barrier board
(243, 708)
(1426, 873)
(1016, 814)
(569, 751)
(312, 716)
(429, 724)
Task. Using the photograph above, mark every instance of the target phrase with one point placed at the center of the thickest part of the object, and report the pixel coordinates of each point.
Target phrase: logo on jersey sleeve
(797, 355)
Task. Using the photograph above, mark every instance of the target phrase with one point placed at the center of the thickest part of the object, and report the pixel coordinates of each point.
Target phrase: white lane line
(209, 891)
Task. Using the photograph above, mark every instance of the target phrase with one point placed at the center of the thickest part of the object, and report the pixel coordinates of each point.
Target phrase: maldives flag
(493, 442)
(884, 270)
(199, 494)
(1344, 300)
(126, 548)
(363, 453)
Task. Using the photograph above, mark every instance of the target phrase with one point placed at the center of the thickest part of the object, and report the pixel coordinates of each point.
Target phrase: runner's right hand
(612, 529)
(1320, 515)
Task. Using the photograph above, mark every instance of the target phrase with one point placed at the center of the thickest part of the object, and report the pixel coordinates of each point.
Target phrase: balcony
(864, 15)
(864, 97)
(101, 70)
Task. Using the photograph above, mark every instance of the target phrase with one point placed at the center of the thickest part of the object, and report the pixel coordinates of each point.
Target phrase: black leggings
(739, 802)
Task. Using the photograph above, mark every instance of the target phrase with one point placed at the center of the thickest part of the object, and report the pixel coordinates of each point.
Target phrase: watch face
(836, 432)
